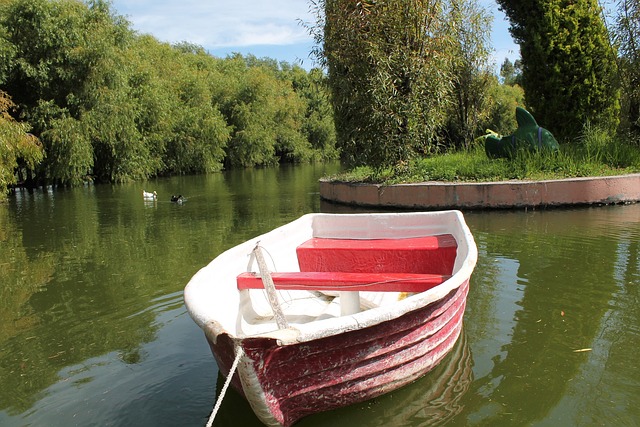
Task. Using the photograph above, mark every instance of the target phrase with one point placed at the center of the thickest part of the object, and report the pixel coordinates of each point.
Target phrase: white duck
(149, 196)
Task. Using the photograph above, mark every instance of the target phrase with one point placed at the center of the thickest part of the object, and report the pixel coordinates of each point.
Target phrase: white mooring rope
(225, 386)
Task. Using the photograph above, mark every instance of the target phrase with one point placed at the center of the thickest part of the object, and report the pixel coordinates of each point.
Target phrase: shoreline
(435, 195)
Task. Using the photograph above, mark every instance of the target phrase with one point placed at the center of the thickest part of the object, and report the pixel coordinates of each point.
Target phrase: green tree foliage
(502, 100)
(69, 152)
(274, 112)
(181, 123)
(68, 80)
(469, 26)
(511, 73)
(19, 150)
(627, 32)
(388, 64)
(111, 105)
(318, 126)
(569, 65)
(407, 78)
(253, 110)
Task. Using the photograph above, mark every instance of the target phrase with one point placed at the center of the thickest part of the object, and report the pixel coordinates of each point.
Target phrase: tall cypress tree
(569, 65)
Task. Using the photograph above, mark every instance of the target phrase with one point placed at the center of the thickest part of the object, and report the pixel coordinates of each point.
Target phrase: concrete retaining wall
(487, 195)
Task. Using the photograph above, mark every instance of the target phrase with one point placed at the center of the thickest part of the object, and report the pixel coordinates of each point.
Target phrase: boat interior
(339, 277)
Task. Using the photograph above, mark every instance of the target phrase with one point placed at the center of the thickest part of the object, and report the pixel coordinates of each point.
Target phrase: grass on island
(593, 154)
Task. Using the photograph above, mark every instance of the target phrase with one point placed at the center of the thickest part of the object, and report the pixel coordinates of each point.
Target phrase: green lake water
(94, 332)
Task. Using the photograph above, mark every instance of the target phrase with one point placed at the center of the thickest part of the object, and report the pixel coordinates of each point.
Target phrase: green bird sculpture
(528, 136)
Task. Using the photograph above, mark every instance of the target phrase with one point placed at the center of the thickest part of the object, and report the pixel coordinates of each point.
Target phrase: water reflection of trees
(611, 372)
(63, 293)
(83, 268)
(566, 271)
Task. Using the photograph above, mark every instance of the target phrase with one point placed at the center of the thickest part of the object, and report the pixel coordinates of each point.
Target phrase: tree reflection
(87, 270)
(566, 273)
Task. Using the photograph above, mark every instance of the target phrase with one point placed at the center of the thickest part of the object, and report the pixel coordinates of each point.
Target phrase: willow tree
(65, 53)
(628, 35)
(387, 65)
(469, 25)
(569, 65)
(19, 150)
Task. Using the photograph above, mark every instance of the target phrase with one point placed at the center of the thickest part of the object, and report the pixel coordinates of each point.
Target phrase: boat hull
(323, 359)
(332, 372)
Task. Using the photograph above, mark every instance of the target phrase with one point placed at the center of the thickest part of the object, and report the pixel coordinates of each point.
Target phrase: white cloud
(218, 23)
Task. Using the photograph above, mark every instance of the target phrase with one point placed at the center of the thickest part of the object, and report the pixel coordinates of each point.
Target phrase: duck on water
(149, 196)
(178, 199)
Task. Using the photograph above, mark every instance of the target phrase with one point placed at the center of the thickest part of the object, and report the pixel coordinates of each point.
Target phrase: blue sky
(264, 28)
